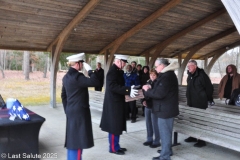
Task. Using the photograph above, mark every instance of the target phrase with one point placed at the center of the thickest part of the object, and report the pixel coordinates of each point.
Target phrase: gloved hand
(211, 103)
(133, 92)
(86, 66)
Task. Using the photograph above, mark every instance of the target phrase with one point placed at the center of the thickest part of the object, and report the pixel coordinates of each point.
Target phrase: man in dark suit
(113, 116)
(75, 101)
(100, 72)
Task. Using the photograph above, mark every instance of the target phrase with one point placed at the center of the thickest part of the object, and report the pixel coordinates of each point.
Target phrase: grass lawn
(35, 91)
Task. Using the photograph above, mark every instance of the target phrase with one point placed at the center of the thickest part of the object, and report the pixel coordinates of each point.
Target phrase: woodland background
(25, 75)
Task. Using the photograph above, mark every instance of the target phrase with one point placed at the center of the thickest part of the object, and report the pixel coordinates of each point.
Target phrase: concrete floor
(52, 135)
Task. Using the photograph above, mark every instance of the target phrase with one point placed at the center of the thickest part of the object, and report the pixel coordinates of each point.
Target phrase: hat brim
(124, 60)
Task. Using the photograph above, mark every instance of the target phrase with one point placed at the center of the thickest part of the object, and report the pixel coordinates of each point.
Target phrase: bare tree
(2, 59)
(26, 64)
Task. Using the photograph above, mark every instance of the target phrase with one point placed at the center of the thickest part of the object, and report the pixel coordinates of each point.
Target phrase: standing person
(113, 118)
(229, 82)
(199, 92)
(134, 64)
(100, 73)
(164, 97)
(75, 101)
(139, 72)
(131, 78)
(144, 78)
(151, 119)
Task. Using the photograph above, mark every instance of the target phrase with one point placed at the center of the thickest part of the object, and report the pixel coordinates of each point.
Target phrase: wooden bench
(182, 89)
(96, 100)
(219, 128)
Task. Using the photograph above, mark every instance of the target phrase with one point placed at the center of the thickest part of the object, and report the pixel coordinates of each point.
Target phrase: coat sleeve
(114, 86)
(208, 86)
(160, 90)
(83, 81)
(64, 98)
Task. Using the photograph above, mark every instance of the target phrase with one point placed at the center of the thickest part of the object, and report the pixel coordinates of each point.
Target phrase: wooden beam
(141, 25)
(223, 49)
(162, 45)
(200, 45)
(218, 53)
(75, 21)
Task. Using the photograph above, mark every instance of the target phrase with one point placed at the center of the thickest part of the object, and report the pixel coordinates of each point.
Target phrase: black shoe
(154, 145)
(159, 151)
(133, 121)
(147, 143)
(156, 158)
(190, 139)
(123, 149)
(119, 152)
(200, 144)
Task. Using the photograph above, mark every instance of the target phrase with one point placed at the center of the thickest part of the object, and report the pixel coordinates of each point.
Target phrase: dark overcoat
(199, 89)
(164, 95)
(100, 74)
(75, 101)
(113, 116)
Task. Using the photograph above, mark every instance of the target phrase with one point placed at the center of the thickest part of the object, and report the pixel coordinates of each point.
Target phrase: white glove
(133, 92)
(86, 66)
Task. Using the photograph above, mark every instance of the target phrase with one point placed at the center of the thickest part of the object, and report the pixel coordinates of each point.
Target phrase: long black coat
(164, 95)
(100, 74)
(113, 116)
(199, 89)
(75, 101)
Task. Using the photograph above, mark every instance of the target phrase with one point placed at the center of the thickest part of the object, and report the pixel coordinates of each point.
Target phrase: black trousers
(131, 108)
(98, 88)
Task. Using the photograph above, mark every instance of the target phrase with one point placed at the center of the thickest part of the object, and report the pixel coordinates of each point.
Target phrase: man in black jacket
(164, 97)
(199, 92)
(100, 72)
(113, 118)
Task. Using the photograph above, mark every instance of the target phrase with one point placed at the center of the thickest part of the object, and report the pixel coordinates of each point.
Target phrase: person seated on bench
(229, 82)
(199, 93)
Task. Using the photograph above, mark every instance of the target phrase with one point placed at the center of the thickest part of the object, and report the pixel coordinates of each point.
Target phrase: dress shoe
(154, 145)
(159, 151)
(200, 144)
(119, 152)
(123, 149)
(156, 158)
(147, 143)
(190, 139)
(133, 121)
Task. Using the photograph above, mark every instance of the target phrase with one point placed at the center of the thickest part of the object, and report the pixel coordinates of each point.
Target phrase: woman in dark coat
(144, 78)
(75, 101)
(113, 118)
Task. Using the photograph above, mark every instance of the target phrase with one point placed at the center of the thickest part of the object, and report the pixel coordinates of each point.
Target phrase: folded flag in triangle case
(18, 110)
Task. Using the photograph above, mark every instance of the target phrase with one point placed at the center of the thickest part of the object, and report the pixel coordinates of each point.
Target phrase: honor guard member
(75, 101)
(113, 118)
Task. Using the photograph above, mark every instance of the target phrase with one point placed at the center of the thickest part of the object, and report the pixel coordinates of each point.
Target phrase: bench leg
(175, 140)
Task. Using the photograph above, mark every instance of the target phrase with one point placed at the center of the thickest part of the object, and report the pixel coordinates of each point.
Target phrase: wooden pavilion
(182, 29)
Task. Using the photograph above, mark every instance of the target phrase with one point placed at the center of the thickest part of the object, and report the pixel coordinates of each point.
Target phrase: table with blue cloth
(19, 137)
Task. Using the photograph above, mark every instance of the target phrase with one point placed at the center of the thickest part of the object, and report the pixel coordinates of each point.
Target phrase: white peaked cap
(121, 57)
(76, 57)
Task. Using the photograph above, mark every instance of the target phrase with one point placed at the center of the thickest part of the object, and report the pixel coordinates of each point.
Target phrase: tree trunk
(219, 68)
(26, 64)
(45, 67)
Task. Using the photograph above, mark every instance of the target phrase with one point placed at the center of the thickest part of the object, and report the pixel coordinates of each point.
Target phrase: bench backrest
(183, 88)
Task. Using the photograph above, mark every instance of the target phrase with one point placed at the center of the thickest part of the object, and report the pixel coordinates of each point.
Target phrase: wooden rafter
(145, 22)
(75, 21)
(200, 45)
(164, 44)
(223, 49)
